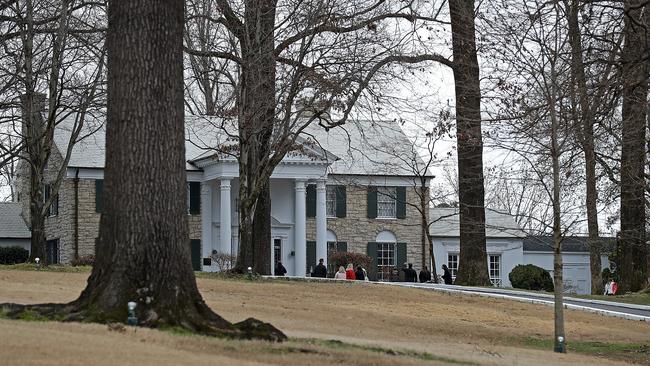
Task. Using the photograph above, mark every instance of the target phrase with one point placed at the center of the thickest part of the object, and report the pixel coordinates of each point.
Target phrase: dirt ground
(377, 324)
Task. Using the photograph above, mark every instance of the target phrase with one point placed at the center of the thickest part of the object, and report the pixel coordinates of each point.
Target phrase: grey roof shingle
(445, 222)
(570, 244)
(363, 147)
(12, 224)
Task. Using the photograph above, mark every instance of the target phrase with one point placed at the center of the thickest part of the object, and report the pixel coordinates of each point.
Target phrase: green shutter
(311, 200)
(401, 202)
(341, 246)
(372, 253)
(311, 256)
(195, 250)
(99, 195)
(401, 255)
(195, 198)
(341, 196)
(372, 202)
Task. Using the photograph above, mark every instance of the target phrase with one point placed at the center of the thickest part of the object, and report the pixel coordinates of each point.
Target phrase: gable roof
(357, 148)
(570, 244)
(445, 222)
(369, 148)
(12, 224)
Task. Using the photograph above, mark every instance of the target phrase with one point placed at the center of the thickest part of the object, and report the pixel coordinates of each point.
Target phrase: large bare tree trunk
(256, 117)
(143, 254)
(584, 122)
(32, 130)
(472, 268)
(632, 249)
(143, 249)
(559, 340)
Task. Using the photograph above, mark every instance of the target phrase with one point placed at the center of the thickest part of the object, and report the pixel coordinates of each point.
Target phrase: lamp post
(250, 273)
(132, 319)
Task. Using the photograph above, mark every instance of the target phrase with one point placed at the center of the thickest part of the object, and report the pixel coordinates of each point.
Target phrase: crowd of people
(408, 274)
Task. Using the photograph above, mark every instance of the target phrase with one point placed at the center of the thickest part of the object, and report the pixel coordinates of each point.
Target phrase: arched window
(386, 254)
(386, 237)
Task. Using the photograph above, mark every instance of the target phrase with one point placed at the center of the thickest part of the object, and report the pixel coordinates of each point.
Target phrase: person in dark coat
(410, 275)
(446, 275)
(320, 270)
(359, 274)
(279, 269)
(425, 275)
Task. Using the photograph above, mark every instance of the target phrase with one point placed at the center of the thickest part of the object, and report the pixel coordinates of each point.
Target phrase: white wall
(577, 272)
(511, 251)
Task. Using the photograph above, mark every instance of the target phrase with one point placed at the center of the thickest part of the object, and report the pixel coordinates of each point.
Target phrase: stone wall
(62, 226)
(357, 229)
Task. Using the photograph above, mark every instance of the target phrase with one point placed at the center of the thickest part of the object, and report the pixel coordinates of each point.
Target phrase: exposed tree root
(209, 324)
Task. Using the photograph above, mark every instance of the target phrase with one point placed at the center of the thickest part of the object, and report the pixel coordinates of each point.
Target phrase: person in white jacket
(340, 275)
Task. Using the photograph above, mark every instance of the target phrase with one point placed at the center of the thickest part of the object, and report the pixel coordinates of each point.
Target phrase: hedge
(13, 255)
(531, 277)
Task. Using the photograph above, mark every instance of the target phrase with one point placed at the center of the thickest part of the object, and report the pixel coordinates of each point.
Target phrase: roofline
(383, 175)
(96, 168)
(563, 252)
(15, 237)
(491, 237)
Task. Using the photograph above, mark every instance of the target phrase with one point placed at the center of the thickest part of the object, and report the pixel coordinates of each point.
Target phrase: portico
(288, 183)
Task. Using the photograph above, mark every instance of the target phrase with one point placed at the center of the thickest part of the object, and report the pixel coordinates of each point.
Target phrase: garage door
(576, 278)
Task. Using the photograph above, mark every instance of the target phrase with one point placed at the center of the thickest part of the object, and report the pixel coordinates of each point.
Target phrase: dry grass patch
(332, 323)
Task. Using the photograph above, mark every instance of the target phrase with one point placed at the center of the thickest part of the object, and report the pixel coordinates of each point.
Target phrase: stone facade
(357, 229)
(61, 226)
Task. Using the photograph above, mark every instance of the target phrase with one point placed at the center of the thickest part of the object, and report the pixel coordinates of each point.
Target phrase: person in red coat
(349, 273)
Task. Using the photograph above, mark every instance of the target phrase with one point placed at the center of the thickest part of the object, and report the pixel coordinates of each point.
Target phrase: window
(277, 251)
(53, 210)
(452, 263)
(385, 260)
(330, 201)
(193, 198)
(495, 269)
(386, 202)
(52, 251)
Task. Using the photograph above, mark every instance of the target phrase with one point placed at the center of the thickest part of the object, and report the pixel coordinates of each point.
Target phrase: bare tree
(143, 254)
(47, 45)
(632, 247)
(291, 58)
(472, 266)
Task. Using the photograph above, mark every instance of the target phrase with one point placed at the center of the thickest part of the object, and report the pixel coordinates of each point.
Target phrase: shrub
(13, 255)
(337, 259)
(84, 260)
(531, 277)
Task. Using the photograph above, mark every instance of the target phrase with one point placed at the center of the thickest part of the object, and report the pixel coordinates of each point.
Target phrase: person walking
(340, 275)
(279, 269)
(359, 274)
(425, 275)
(349, 273)
(320, 270)
(409, 274)
(446, 275)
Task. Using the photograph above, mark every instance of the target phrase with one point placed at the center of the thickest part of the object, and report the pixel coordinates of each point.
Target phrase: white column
(206, 219)
(300, 230)
(321, 222)
(225, 212)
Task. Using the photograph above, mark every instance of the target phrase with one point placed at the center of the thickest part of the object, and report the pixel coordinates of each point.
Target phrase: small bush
(337, 259)
(84, 260)
(13, 255)
(531, 277)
